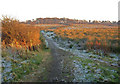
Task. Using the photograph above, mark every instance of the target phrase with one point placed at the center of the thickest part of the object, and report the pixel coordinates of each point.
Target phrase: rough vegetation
(59, 52)
(92, 36)
(89, 65)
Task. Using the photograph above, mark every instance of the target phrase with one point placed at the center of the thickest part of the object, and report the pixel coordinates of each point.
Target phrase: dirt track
(60, 60)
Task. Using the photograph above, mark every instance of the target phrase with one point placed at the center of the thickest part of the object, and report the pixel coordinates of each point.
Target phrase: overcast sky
(74, 9)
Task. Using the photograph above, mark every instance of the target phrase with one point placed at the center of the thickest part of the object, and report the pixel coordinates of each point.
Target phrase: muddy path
(59, 69)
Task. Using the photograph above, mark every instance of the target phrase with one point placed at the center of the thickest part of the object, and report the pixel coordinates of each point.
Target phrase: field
(95, 36)
(95, 48)
(59, 52)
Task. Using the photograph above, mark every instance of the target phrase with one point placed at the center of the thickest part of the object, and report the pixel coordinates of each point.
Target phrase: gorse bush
(16, 34)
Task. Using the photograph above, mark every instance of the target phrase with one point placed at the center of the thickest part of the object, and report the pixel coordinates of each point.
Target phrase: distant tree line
(67, 21)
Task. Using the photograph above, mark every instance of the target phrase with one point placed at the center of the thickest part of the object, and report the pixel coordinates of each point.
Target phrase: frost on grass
(88, 66)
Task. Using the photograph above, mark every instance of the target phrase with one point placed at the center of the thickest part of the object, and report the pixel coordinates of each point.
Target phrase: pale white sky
(78, 9)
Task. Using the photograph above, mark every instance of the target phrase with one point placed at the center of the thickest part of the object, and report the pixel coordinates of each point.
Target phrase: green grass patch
(30, 66)
(27, 63)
